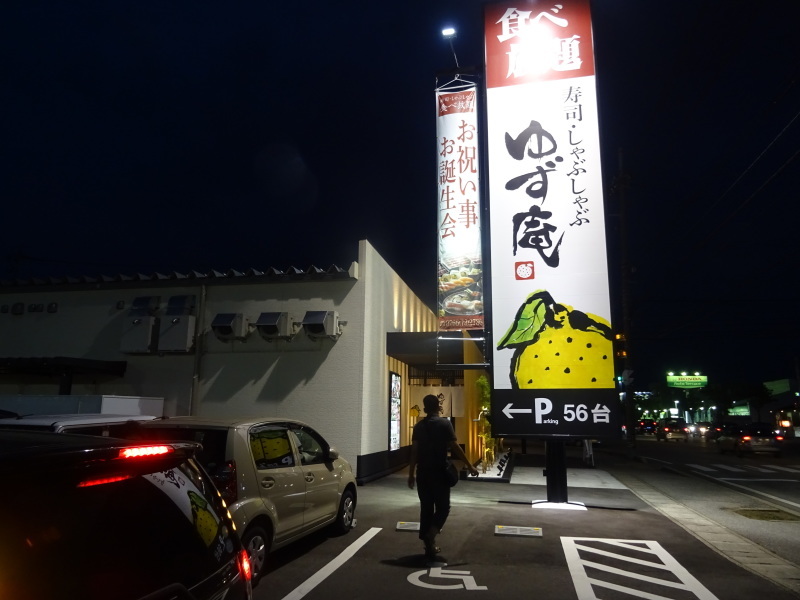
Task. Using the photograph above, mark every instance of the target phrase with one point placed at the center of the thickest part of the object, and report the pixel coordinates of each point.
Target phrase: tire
(257, 541)
(346, 516)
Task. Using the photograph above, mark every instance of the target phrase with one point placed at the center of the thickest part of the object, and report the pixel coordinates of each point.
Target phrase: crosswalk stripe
(701, 467)
(729, 468)
(787, 469)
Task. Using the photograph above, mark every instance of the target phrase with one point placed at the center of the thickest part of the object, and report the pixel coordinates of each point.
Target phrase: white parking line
(700, 467)
(729, 468)
(652, 556)
(320, 576)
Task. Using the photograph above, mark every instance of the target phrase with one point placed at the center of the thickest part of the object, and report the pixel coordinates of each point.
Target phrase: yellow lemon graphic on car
(558, 347)
(204, 520)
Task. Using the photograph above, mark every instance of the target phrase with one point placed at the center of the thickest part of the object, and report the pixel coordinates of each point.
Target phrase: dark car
(645, 427)
(672, 428)
(718, 429)
(700, 429)
(96, 518)
(753, 437)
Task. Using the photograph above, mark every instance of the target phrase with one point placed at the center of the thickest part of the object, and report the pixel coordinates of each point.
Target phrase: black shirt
(433, 436)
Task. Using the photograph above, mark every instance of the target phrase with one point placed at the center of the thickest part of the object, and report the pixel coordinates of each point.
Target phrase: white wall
(339, 387)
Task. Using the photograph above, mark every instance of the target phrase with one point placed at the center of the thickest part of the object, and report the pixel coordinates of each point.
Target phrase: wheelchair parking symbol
(467, 581)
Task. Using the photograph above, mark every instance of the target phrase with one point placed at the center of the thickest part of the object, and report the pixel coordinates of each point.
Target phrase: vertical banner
(459, 228)
(553, 358)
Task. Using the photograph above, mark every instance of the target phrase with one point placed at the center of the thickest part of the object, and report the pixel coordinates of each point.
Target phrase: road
(771, 478)
(498, 542)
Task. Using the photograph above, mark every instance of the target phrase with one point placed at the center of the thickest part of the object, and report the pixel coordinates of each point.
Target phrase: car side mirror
(333, 453)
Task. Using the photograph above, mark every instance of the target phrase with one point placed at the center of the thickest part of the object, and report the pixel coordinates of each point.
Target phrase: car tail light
(746, 438)
(686, 430)
(103, 480)
(245, 569)
(145, 451)
(779, 438)
(666, 428)
(225, 479)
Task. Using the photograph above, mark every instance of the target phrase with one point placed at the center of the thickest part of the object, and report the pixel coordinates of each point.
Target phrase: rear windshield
(120, 540)
(762, 429)
(214, 442)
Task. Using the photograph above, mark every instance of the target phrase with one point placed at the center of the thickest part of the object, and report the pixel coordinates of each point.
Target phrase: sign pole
(556, 471)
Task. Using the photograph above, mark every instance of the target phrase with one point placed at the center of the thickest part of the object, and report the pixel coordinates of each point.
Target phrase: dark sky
(157, 136)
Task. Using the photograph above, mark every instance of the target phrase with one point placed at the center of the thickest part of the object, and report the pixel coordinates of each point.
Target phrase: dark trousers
(433, 490)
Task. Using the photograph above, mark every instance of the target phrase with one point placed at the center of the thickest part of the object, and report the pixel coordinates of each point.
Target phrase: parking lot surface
(615, 538)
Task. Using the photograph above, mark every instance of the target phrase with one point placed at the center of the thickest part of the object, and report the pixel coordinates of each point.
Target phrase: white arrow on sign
(468, 582)
(508, 410)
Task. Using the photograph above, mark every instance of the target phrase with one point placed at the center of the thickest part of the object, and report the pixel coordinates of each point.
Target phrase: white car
(84, 423)
(280, 479)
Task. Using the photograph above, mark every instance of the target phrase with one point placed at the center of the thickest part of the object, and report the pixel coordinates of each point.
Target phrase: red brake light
(779, 438)
(666, 428)
(245, 569)
(103, 480)
(139, 451)
(746, 438)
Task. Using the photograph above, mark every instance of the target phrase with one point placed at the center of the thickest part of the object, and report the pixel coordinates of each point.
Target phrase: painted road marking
(787, 469)
(743, 468)
(467, 580)
(320, 576)
(729, 468)
(701, 467)
(639, 556)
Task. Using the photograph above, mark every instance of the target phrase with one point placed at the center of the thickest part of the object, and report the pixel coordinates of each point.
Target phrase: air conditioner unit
(140, 327)
(176, 333)
(322, 324)
(230, 326)
(275, 326)
(139, 335)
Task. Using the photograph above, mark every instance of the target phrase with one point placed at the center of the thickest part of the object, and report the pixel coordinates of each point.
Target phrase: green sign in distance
(687, 381)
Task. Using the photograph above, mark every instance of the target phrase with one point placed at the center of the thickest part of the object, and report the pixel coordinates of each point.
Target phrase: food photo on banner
(460, 273)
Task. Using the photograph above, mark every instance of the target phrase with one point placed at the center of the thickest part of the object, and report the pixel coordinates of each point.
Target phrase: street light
(449, 33)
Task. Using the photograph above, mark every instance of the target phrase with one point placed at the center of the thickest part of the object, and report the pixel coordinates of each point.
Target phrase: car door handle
(267, 483)
(309, 477)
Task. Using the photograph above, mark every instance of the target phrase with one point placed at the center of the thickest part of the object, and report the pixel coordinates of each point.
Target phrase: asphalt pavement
(628, 529)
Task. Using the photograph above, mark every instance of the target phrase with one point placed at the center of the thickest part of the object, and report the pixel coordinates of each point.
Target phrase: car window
(214, 442)
(168, 525)
(761, 429)
(271, 447)
(310, 446)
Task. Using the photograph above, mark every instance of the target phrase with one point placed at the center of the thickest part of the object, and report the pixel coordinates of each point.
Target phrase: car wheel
(346, 516)
(256, 541)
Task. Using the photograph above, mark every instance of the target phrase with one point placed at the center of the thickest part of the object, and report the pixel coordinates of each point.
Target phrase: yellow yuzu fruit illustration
(558, 347)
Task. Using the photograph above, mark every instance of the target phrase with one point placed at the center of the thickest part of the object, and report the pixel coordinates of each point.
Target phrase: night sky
(147, 136)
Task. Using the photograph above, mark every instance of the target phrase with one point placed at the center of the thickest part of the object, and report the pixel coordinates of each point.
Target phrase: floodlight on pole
(449, 33)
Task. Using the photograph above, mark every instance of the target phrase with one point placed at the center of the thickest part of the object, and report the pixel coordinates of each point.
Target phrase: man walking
(430, 441)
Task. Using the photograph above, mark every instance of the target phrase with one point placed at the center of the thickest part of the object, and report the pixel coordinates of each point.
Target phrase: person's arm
(412, 464)
(458, 453)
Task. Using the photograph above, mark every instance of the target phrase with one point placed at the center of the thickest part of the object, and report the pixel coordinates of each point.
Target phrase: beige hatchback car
(259, 465)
